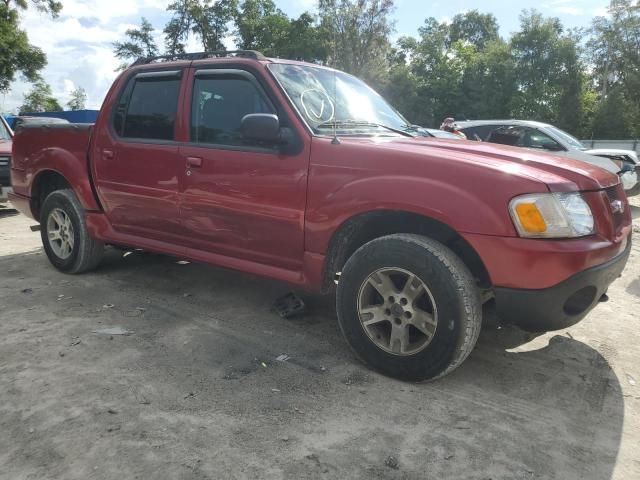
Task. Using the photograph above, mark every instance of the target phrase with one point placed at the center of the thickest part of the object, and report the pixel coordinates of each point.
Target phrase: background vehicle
(304, 174)
(434, 132)
(6, 136)
(21, 121)
(542, 136)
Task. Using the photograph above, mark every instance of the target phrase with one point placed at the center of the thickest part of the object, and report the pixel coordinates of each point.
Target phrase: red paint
(274, 214)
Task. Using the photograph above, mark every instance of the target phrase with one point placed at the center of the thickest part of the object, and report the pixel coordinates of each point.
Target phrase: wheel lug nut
(387, 312)
(404, 301)
(392, 300)
(408, 314)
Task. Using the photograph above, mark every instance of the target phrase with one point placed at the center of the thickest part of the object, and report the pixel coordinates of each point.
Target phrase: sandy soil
(195, 390)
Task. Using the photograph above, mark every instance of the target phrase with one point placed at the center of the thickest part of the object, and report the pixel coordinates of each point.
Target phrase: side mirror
(262, 127)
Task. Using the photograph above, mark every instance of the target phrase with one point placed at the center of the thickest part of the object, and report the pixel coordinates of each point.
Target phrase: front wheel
(64, 233)
(409, 307)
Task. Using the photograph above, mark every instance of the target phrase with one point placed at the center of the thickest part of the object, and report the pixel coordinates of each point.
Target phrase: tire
(81, 254)
(450, 306)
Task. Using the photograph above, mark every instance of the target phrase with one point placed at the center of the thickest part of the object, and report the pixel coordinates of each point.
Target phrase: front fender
(447, 203)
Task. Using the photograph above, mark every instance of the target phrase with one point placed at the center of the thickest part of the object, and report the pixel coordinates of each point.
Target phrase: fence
(616, 144)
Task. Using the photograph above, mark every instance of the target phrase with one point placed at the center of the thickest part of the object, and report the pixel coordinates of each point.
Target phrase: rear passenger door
(135, 159)
(240, 198)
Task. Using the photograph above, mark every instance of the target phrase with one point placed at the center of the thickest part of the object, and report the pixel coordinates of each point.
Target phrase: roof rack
(199, 56)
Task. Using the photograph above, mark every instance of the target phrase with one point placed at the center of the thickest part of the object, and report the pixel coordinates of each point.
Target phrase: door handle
(194, 162)
(107, 154)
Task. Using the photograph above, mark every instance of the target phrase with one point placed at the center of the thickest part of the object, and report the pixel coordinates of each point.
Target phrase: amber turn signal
(530, 218)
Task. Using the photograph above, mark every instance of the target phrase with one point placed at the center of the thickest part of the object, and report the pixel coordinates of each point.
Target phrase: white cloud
(575, 11)
(601, 12)
(78, 46)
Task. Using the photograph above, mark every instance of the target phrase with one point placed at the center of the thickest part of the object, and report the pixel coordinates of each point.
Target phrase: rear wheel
(409, 307)
(64, 233)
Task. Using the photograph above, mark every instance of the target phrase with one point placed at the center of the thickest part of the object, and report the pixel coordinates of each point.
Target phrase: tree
(549, 73)
(139, 43)
(261, 26)
(356, 35)
(474, 27)
(40, 99)
(16, 54)
(615, 55)
(207, 19)
(78, 99)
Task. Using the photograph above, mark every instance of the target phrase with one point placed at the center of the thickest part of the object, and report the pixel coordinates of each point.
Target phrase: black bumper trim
(545, 309)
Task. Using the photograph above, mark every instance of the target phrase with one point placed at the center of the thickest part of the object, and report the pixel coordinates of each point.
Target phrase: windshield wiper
(361, 123)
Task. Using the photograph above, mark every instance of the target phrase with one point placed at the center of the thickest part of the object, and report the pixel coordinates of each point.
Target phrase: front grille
(613, 195)
(4, 161)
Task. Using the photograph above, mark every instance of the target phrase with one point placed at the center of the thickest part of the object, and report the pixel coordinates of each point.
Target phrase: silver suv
(542, 136)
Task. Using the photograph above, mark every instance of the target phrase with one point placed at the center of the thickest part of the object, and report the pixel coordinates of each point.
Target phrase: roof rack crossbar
(199, 56)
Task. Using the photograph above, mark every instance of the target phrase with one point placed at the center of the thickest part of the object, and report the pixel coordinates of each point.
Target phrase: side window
(507, 135)
(147, 108)
(534, 138)
(219, 103)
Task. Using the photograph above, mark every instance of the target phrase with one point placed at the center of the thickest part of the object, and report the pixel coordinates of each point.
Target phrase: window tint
(507, 136)
(534, 138)
(479, 133)
(148, 108)
(219, 103)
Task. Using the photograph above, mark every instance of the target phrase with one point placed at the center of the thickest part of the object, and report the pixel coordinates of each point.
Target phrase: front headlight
(551, 215)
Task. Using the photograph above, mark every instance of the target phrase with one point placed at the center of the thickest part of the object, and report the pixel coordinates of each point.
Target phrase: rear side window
(218, 105)
(479, 133)
(148, 107)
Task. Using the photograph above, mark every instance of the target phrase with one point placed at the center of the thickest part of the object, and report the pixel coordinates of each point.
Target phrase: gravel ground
(198, 388)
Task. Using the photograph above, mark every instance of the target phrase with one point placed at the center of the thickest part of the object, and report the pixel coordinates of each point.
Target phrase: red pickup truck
(304, 174)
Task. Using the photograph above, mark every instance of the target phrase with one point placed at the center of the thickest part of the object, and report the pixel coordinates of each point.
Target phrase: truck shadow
(529, 406)
(635, 211)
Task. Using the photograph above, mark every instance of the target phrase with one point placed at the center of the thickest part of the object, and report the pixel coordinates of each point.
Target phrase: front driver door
(239, 198)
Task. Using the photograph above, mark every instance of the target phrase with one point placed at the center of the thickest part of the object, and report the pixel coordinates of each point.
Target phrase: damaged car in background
(542, 136)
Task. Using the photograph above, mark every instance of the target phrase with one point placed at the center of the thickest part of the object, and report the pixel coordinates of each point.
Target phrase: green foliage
(139, 43)
(261, 26)
(474, 27)
(356, 34)
(206, 19)
(40, 99)
(461, 68)
(17, 56)
(78, 99)
(50, 7)
(615, 55)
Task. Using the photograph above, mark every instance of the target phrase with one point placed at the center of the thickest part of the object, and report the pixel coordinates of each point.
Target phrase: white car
(542, 136)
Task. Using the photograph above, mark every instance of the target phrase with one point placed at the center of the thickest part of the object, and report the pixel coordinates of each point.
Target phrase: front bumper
(561, 305)
(630, 182)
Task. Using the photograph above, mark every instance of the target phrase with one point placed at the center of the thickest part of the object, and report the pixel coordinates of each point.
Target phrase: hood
(559, 173)
(601, 162)
(613, 151)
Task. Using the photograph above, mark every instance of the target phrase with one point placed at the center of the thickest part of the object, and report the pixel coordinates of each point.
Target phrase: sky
(79, 42)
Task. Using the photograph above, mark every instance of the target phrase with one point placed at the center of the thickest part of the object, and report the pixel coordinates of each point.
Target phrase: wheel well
(45, 183)
(363, 228)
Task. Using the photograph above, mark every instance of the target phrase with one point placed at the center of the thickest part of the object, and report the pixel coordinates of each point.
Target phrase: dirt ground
(196, 389)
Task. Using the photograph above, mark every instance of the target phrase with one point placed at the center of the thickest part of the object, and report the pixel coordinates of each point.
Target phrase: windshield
(4, 131)
(325, 98)
(567, 138)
